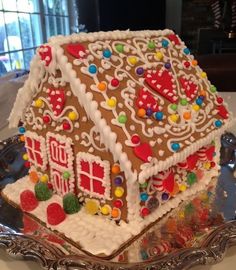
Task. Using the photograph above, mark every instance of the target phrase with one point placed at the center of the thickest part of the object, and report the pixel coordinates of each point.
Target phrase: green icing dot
(151, 45)
(174, 107)
(213, 88)
(144, 185)
(183, 102)
(66, 175)
(71, 203)
(42, 191)
(120, 48)
(191, 178)
(122, 119)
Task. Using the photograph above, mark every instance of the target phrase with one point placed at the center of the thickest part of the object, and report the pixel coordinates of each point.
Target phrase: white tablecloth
(7, 263)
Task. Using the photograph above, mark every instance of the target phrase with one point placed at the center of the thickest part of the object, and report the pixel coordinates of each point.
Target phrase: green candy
(122, 119)
(120, 48)
(42, 191)
(71, 203)
(191, 178)
(151, 45)
(144, 185)
(183, 102)
(174, 107)
(66, 175)
(213, 88)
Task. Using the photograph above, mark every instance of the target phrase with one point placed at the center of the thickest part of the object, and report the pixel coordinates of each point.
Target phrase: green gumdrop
(71, 203)
(42, 192)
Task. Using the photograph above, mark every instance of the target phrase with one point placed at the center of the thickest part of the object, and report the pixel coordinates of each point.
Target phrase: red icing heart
(161, 82)
(143, 151)
(222, 111)
(45, 53)
(146, 100)
(189, 87)
(192, 161)
(210, 152)
(169, 182)
(174, 38)
(57, 100)
(77, 50)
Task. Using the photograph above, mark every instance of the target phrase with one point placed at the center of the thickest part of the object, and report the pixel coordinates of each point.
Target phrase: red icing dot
(55, 214)
(145, 212)
(27, 164)
(213, 164)
(66, 126)
(115, 82)
(28, 201)
(118, 203)
(219, 100)
(186, 64)
(135, 139)
(46, 119)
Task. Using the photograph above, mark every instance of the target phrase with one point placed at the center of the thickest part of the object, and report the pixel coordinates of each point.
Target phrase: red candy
(27, 164)
(145, 212)
(50, 186)
(115, 82)
(186, 64)
(28, 201)
(135, 139)
(66, 126)
(118, 203)
(55, 214)
(46, 119)
(219, 100)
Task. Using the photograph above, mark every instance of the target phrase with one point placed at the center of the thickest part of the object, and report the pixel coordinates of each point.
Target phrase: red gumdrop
(28, 201)
(55, 214)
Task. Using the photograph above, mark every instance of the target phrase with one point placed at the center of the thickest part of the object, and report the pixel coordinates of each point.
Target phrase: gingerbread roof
(145, 93)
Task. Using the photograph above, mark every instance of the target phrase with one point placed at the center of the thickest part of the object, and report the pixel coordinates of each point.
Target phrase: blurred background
(208, 28)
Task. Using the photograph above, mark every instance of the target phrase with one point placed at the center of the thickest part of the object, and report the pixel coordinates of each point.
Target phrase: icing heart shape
(210, 152)
(146, 101)
(169, 182)
(57, 100)
(192, 161)
(77, 50)
(161, 81)
(143, 151)
(174, 38)
(222, 111)
(45, 53)
(189, 87)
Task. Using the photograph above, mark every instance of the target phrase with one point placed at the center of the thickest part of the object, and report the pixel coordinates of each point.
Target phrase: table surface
(8, 263)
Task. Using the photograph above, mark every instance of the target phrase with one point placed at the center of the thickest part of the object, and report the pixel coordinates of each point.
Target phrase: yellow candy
(44, 178)
(132, 60)
(174, 117)
(92, 207)
(111, 102)
(203, 75)
(38, 103)
(196, 107)
(159, 55)
(73, 116)
(182, 187)
(102, 86)
(181, 214)
(207, 165)
(105, 210)
(119, 191)
(25, 157)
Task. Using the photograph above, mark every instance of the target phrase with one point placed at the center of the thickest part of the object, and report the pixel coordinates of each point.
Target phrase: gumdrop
(42, 191)
(71, 203)
(55, 214)
(28, 201)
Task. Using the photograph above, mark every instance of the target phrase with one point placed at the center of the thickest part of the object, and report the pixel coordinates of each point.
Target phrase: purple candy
(149, 112)
(118, 181)
(139, 71)
(167, 65)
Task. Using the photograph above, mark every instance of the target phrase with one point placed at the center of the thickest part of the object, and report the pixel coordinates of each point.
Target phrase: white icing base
(106, 237)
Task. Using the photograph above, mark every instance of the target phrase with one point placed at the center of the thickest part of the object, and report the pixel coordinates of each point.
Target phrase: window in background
(24, 25)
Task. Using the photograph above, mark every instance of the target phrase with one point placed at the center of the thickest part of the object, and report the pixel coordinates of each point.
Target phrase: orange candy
(102, 86)
(115, 169)
(187, 115)
(115, 213)
(194, 63)
(202, 93)
(34, 177)
(22, 138)
(141, 113)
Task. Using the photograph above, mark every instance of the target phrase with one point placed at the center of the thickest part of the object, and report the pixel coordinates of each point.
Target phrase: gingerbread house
(127, 121)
